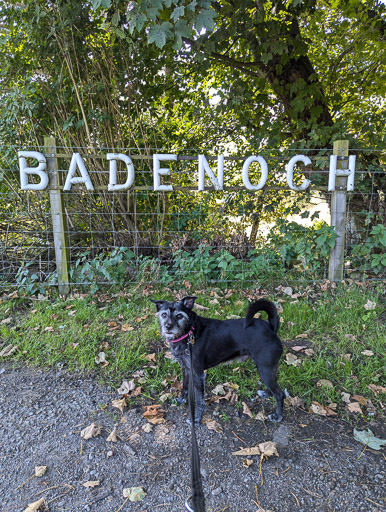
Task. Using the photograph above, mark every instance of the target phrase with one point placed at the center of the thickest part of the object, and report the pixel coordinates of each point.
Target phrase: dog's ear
(188, 302)
(158, 303)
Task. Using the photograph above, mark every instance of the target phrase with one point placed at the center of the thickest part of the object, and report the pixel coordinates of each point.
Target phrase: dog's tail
(263, 305)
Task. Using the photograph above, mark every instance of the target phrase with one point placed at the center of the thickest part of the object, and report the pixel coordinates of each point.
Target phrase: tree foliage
(188, 75)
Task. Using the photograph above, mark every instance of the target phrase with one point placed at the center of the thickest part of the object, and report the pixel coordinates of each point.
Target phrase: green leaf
(205, 20)
(367, 437)
(159, 34)
(178, 12)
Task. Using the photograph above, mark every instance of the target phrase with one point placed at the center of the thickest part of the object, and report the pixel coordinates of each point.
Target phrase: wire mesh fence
(232, 235)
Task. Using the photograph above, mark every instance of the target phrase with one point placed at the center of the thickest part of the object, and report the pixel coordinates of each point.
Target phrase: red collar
(190, 333)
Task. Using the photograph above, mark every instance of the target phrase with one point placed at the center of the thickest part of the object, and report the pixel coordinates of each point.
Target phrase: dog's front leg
(184, 362)
(199, 389)
(185, 385)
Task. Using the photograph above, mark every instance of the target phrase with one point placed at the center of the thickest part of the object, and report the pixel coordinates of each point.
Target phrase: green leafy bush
(371, 254)
(28, 283)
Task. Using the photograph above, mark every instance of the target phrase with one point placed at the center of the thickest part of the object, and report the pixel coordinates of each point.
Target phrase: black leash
(197, 498)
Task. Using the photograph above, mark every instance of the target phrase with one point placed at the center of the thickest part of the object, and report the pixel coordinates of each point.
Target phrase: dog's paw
(275, 418)
(181, 401)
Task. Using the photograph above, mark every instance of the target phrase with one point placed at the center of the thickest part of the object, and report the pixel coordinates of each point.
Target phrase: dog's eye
(164, 315)
(179, 316)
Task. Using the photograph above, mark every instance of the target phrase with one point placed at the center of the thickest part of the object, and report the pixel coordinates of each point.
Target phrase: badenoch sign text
(160, 169)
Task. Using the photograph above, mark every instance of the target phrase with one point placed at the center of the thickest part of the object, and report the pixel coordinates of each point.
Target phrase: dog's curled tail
(263, 305)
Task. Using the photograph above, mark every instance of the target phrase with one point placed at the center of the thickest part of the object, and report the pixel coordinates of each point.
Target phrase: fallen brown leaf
(324, 382)
(214, 425)
(91, 483)
(247, 410)
(126, 387)
(299, 348)
(359, 398)
(268, 449)
(40, 470)
(92, 430)
(253, 450)
(112, 438)
(101, 359)
(119, 404)
(37, 505)
(154, 414)
(376, 389)
(8, 350)
(354, 407)
(292, 360)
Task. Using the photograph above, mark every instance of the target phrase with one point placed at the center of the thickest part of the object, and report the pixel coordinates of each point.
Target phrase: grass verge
(334, 340)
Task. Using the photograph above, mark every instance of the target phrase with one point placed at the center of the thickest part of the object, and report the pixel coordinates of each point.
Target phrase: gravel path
(320, 467)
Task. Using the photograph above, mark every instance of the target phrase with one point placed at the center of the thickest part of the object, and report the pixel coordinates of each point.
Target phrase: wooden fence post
(338, 213)
(58, 217)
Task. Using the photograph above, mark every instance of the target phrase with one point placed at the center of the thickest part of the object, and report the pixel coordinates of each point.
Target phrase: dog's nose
(168, 326)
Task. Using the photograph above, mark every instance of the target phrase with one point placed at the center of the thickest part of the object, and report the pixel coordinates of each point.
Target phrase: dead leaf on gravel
(92, 483)
(261, 416)
(214, 425)
(268, 449)
(154, 414)
(253, 450)
(303, 335)
(119, 404)
(309, 352)
(112, 438)
(134, 493)
(247, 462)
(40, 470)
(247, 410)
(37, 505)
(126, 387)
(354, 407)
(147, 428)
(231, 397)
(292, 360)
(367, 438)
(92, 430)
(325, 383)
(321, 410)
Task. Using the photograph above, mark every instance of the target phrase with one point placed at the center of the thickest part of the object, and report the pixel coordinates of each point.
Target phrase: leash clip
(191, 338)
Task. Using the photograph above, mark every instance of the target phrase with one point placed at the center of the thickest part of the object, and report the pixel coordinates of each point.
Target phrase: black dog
(218, 341)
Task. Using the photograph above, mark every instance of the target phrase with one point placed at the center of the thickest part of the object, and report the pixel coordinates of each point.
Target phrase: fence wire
(221, 236)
